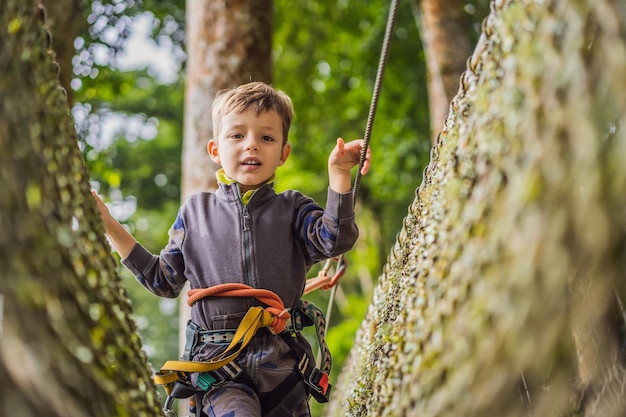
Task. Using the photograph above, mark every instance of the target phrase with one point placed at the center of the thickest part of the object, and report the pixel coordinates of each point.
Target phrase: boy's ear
(211, 148)
(284, 153)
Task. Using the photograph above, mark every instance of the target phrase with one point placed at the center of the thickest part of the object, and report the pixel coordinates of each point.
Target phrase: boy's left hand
(346, 155)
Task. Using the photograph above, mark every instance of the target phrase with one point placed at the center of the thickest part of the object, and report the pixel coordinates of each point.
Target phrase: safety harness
(305, 380)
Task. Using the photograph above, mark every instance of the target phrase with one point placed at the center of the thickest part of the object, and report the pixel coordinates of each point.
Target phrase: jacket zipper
(246, 247)
(248, 273)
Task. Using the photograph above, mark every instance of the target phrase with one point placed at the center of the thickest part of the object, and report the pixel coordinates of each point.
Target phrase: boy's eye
(236, 136)
(267, 138)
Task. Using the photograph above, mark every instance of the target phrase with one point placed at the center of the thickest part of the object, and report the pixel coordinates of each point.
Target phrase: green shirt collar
(225, 179)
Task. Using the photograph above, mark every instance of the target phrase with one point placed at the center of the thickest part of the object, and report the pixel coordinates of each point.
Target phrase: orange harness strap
(274, 304)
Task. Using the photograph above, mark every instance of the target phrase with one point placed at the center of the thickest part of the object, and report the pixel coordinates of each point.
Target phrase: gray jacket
(270, 243)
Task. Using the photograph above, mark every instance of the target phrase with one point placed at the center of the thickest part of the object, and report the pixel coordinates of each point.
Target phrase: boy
(247, 233)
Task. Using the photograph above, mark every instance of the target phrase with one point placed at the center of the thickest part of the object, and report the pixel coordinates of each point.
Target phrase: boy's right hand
(105, 214)
(344, 157)
(121, 240)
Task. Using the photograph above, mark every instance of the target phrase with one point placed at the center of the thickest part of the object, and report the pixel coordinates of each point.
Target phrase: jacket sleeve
(330, 232)
(162, 275)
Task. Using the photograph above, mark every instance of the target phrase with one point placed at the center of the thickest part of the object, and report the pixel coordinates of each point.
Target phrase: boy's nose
(251, 143)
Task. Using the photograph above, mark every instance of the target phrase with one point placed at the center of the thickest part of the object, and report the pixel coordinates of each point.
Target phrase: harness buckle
(205, 381)
(191, 340)
(318, 381)
(213, 379)
(315, 379)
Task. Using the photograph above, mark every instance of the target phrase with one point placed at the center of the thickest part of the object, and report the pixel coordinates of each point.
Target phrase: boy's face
(249, 147)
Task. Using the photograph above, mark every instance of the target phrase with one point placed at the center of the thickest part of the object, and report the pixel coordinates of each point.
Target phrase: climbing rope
(382, 63)
(274, 304)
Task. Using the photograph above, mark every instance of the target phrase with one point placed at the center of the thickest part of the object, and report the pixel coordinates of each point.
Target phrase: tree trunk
(502, 294)
(68, 346)
(228, 43)
(65, 21)
(445, 29)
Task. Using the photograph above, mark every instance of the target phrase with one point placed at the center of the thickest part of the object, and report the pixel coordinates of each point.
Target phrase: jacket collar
(231, 190)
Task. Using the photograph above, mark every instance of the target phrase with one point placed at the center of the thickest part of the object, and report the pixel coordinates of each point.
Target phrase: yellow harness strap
(255, 319)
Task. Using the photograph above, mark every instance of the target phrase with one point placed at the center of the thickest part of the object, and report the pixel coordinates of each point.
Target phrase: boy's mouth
(251, 161)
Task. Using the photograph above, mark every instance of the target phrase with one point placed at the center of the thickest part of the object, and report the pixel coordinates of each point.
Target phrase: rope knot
(279, 323)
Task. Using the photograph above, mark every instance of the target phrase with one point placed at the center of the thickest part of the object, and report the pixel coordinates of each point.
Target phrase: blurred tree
(68, 346)
(65, 22)
(228, 43)
(445, 29)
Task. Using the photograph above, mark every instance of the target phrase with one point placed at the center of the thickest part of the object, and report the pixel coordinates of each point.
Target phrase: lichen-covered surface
(68, 346)
(499, 297)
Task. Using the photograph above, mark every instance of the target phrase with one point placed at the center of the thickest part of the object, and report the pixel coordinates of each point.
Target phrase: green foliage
(140, 168)
(326, 58)
(131, 130)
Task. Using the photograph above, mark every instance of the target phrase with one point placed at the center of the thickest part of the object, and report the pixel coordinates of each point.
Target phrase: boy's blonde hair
(258, 94)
